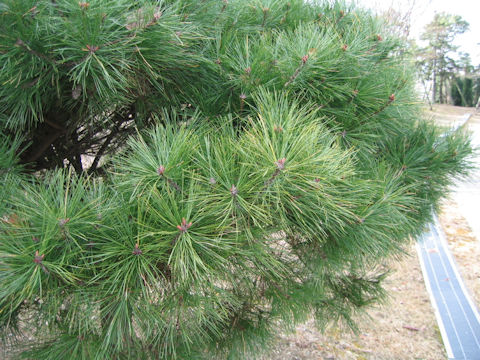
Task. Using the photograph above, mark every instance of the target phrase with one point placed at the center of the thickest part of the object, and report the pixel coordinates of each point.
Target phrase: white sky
(424, 10)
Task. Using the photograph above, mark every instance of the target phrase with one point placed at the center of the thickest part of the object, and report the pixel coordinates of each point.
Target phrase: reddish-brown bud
(38, 258)
(233, 190)
(243, 96)
(136, 250)
(379, 38)
(161, 170)
(277, 129)
(92, 48)
(344, 47)
(84, 5)
(391, 97)
(281, 163)
(218, 61)
(304, 58)
(184, 226)
(317, 180)
(63, 222)
(248, 70)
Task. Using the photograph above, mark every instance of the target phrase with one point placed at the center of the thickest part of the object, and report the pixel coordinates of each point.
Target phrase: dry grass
(464, 247)
(447, 115)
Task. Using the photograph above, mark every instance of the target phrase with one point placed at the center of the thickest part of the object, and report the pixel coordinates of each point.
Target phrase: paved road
(467, 192)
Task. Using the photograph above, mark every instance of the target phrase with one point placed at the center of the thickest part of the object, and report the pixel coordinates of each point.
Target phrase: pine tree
(266, 157)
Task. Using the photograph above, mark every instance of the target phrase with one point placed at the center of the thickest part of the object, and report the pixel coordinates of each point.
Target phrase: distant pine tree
(266, 157)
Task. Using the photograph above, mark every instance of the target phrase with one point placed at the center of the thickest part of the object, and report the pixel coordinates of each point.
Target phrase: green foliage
(436, 62)
(462, 92)
(277, 156)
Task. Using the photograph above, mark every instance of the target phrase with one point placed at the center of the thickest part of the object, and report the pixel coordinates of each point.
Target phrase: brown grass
(464, 247)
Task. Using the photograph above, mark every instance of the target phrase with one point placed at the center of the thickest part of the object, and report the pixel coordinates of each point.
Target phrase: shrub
(269, 155)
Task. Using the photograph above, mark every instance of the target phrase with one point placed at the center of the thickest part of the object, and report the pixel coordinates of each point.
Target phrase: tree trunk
(434, 87)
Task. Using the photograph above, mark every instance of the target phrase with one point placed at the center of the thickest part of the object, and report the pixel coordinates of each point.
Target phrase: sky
(424, 10)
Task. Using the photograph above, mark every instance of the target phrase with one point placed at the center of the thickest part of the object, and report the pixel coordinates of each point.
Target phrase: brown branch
(173, 184)
(44, 146)
(297, 71)
(21, 44)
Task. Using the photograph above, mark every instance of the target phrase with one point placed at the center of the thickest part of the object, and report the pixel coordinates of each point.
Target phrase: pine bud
(243, 96)
(248, 70)
(63, 222)
(218, 61)
(344, 47)
(391, 97)
(281, 163)
(277, 128)
(35, 239)
(233, 190)
(317, 180)
(136, 250)
(212, 181)
(184, 226)
(304, 59)
(84, 5)
(92, 48)
(379, 38)
(344, 133)
(38, 258)
(160, 170)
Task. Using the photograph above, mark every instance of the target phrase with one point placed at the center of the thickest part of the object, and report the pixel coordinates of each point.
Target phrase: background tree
(271, 155)
(436, 60)
(463, 82)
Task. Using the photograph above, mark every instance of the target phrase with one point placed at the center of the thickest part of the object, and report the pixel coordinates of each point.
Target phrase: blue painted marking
(457, 316)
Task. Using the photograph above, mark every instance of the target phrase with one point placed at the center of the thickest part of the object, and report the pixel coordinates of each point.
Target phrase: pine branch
(297, 71)
(24, 46)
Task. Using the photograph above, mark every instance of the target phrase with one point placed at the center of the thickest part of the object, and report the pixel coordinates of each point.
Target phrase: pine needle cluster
(270, 156)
